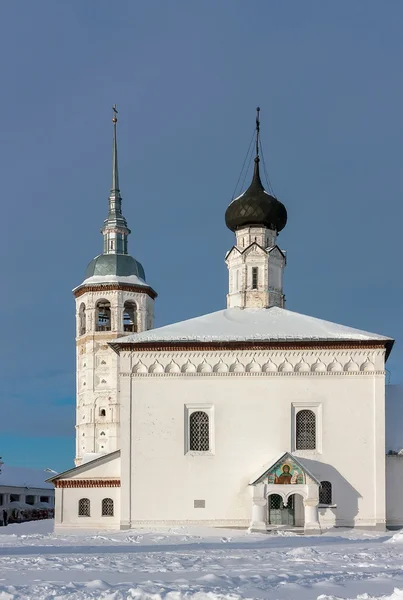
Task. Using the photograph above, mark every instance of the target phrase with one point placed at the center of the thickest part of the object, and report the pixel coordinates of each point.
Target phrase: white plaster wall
(66, 511)
(394, 491)
(252, 425)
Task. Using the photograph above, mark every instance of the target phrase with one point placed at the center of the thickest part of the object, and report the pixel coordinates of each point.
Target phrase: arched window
(305, 430)
(199, 432)
(103, 316)
(82, 319)
(84, 507)
(130, 317)
(107, 507)
(325, 492)
(102, 412)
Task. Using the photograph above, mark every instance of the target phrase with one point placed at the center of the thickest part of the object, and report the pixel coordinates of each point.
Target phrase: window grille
(199, 432)
(107, 507)
(84, 506)
(254, 277)
(275, 502)
(305, 430)
(325, 492)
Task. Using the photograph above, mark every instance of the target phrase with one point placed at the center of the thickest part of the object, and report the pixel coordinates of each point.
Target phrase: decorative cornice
(252, 345)
(87, 483)
(261, 374)
(125, 287)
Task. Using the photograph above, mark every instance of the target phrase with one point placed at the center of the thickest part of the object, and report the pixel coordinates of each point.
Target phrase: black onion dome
(256, 207)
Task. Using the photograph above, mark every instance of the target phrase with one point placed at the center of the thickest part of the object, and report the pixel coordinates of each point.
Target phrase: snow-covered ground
(197, 564)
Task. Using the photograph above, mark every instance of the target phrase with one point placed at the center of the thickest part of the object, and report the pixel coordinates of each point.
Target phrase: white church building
(251, 416)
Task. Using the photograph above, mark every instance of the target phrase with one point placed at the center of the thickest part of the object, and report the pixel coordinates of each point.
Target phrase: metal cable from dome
(269, 185)
(243, 166)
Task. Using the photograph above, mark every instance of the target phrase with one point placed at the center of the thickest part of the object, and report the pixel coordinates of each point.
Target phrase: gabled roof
(86, 466)
(269, 466)
(252, 325)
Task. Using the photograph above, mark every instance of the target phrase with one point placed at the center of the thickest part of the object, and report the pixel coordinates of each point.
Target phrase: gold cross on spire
(115, 112)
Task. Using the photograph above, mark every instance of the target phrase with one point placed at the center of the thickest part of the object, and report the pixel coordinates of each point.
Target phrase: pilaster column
(259, 509)
(311, 515)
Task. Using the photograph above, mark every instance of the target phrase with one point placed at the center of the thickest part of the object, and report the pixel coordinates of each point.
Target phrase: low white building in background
(22, 488)
(249, 416)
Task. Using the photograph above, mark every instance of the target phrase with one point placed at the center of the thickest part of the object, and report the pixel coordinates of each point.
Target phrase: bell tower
(113, 300)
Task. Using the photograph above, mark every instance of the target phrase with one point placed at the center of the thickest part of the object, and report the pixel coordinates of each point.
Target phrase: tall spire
(256, 174)
(115, 230)
(115, 170)
(257, 133)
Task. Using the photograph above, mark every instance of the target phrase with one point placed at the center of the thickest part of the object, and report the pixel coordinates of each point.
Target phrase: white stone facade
(95, 483)
(255, 268)
(252, 408)
(98, 406)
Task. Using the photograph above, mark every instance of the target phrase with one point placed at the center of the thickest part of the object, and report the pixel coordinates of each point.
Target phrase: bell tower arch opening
(130, 317)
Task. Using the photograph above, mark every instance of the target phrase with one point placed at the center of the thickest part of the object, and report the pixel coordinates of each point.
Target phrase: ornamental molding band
(87, 483)
(110, 287)
(299, 346)
(277, 365)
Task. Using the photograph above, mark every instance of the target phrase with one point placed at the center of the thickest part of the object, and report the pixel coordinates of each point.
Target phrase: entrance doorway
(280, 514)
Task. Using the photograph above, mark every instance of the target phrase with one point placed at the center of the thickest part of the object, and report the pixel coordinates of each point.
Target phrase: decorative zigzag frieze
(310, 364)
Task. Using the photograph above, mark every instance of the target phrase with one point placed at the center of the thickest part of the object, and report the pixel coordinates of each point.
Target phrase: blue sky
(187, 77)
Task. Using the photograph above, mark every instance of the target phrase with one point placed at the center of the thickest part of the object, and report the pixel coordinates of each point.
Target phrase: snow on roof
(394, 418)
(24, 477)
(90, 462)
(252, 324)
(98, 279)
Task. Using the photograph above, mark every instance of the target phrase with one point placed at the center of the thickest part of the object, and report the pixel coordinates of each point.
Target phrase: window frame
(316, 408)
(103, 504)
(255, 278)
(209, 410)
(305, 429)
(89, 508)
(326, 504)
